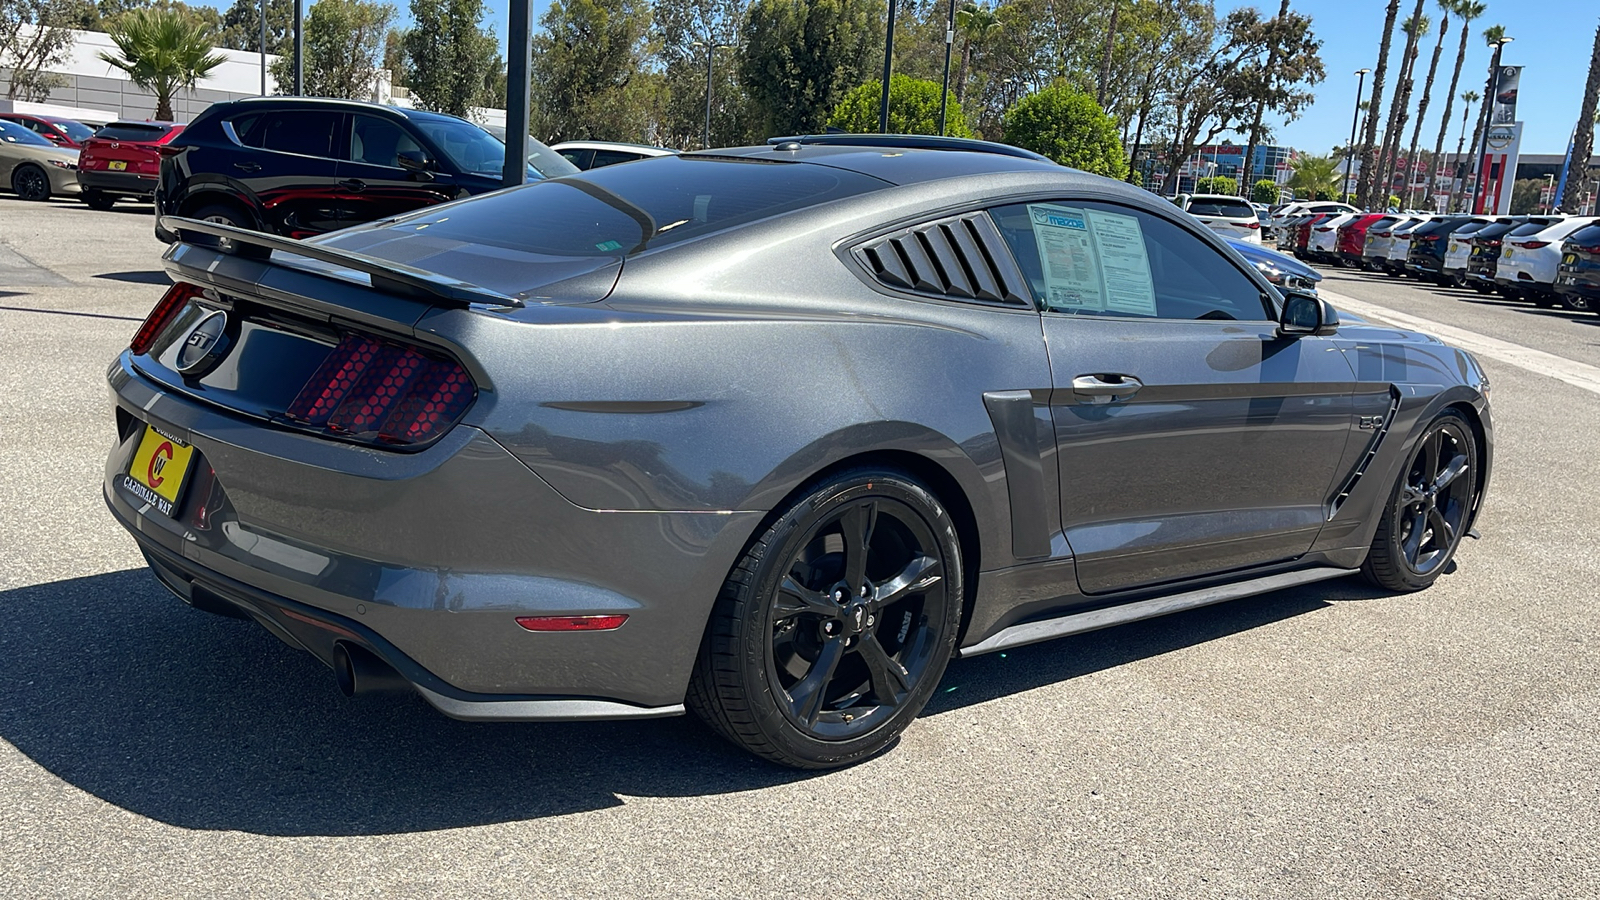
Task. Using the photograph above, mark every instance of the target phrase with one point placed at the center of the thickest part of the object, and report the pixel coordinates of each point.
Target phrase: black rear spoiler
(386, 275)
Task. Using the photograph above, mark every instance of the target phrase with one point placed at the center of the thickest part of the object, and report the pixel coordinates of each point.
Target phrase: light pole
(949, 42)
(263, 48)
(1550, 185)
(888, 68)
(299, 48)
(1350, 148)
(1488, 122)
(711, 51)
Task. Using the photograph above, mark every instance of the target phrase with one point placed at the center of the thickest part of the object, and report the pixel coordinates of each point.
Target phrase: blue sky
(1553, 40)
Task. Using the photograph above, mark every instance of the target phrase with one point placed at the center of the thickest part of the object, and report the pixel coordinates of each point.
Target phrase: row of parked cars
(1548, 260)
(298, 166)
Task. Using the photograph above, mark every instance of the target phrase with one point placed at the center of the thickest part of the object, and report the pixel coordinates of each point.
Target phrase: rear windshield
(1495, 229)
(132, 131)
(1237, 209)
(1587, 236)
(75, 130)
(1528, 228)
(620, 210)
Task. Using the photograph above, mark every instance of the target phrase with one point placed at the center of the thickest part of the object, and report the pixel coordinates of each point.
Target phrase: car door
(374, 183)
(294, 172)
(1191, 438)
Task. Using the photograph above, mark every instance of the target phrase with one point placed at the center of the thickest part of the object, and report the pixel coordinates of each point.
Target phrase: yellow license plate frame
(117, 165)
(159, 469)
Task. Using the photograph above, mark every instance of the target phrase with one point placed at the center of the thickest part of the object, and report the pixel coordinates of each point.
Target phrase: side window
(579, 158)
(243, 126)
(305, 132)
(378, 141)
(1100, 259)
(611, 158)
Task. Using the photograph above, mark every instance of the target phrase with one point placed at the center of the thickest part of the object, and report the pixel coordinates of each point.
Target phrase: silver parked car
(769, 433)
(32, 167)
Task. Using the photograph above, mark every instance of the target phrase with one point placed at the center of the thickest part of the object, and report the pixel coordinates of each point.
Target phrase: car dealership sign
(1502, 147)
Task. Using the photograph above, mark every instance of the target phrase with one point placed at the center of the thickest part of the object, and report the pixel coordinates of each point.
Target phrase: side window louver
(958, 258)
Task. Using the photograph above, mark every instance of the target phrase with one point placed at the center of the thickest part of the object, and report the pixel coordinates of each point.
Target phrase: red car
(123, 159)
(1352, 240)
(67, 134)
(1302, 238)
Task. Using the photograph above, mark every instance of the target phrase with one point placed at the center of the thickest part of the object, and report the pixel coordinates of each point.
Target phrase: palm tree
(163, 51)
(1491, 36)
(1315, 176)
(1466, 11)
(1413, 28)
(1370, 132)
(1467, 99)
(1445, 8)
(1588, 116)
(977, 24)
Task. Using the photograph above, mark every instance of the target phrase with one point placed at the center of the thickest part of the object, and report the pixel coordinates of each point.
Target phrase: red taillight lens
(1252, 225)
(571, 623)
(1533, 245)
(162, 315)
(390, 393)
(1426, 238)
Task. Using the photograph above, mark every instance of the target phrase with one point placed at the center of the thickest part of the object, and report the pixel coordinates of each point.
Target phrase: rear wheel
(99, 200)
(222, 215)
(1576, 303)
(1428, 509)
(834, 629)
(30, 183)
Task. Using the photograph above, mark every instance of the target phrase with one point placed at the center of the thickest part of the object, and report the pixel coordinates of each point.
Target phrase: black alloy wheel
(836, 627)
(31, 183)
(1429, 509)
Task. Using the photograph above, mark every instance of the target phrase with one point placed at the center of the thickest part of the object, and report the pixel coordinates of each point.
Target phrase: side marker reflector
(571, 623)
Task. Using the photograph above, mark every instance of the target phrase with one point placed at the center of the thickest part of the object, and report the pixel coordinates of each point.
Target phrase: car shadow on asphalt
(203, 722)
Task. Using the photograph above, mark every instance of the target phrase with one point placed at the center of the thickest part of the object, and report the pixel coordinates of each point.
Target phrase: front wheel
(834, 628)
(1428, 510)
(30, 183)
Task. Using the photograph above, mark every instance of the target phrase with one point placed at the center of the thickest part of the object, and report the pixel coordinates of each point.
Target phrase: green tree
(689, 35)
(344, 43)
(589, 73)
(913, 109)
(1065, 124)
(1217, 184)
(162, 51)
(977, 25)
(1467, 99)
(1292, 64)
(241, 26)
(1583, 140)
(1315, 176)
(801, 56)
(1264, 191)
(450, 59)
(34, 35)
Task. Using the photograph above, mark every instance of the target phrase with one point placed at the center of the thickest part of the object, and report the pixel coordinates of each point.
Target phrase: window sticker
(1124, 263)
(1067, 256)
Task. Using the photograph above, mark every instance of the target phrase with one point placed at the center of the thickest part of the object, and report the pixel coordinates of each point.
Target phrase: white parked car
(1400, 244)
(1324, 242)
(1308, 207)
(1528, 262)
(1230, 217)
(1459, 250)
(596, 154)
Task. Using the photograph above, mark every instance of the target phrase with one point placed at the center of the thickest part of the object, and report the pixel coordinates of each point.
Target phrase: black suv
(301, 166)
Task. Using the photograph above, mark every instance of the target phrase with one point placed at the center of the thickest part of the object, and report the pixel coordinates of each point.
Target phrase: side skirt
(1078, 623)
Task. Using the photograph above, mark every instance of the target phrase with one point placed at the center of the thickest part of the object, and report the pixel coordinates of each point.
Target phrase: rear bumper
(122, 183)
(426, 559)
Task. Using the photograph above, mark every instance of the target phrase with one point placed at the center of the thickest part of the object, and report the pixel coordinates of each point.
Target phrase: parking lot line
(1577, 374)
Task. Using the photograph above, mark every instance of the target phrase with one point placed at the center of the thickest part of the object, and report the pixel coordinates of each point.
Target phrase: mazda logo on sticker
(204, 342)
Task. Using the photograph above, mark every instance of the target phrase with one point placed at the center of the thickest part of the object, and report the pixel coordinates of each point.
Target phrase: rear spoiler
(386, 275)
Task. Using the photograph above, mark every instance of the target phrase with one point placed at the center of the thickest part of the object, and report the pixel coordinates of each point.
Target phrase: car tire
(222, 215)
(30, 183)
(835, 626)
(1576, 303)
(1418, 534)
(99, 200)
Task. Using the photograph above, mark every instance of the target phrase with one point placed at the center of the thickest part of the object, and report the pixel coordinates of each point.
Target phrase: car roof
(1233, 197)
(900, 165)
(651, 149)
(336, 102)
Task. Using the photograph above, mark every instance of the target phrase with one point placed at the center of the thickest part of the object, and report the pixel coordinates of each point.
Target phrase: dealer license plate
(159, 468)
(117, 165)
(1569, 258)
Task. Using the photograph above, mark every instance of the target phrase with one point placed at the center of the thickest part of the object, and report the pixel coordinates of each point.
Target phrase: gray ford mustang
(769, 433)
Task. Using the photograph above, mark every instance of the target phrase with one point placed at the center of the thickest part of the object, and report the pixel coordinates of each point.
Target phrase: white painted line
(1577, 374)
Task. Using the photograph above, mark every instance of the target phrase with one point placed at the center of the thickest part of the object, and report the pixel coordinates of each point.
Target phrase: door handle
(1104, 388)
(354, 184)
(247, 167)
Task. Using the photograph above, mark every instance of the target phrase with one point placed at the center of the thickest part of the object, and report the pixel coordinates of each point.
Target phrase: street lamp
(263, 48)
(1550, 186)
(1489, 101)
(711, 50)
(888, 69)
(1350, 148)
(949, 44)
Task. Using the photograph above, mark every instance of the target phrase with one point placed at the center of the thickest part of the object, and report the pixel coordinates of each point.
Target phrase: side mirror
(1306, 314)
(417, 163)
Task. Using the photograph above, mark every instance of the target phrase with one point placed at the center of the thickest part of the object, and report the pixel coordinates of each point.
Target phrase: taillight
(1426, 238)
(1252, 225)
(384, 392)
(161, 316)
(1533, 245)
(572, 623)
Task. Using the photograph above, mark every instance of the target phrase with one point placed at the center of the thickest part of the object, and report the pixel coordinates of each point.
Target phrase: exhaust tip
(357, 670)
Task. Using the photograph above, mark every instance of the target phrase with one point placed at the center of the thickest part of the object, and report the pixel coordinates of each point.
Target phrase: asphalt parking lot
(1326, 741)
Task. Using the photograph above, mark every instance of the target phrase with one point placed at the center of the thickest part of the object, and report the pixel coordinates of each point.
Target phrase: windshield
(12, 133)
(474, 150)
(75, 130)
